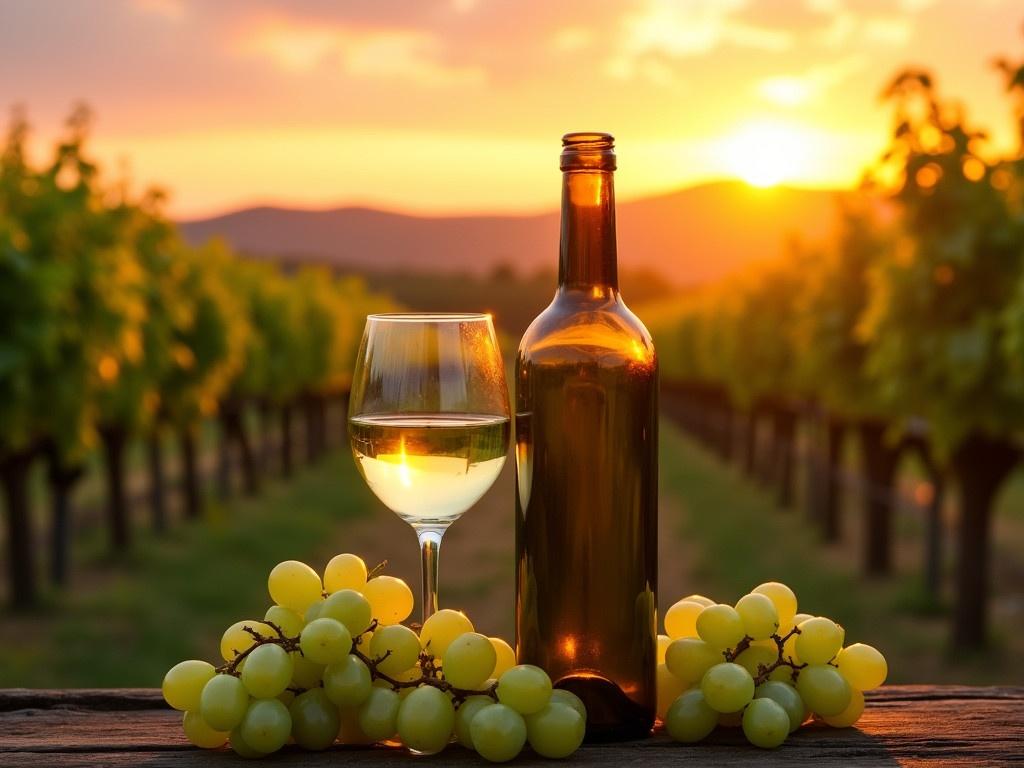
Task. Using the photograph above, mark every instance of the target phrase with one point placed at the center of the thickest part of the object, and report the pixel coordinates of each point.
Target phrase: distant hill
(689, 236)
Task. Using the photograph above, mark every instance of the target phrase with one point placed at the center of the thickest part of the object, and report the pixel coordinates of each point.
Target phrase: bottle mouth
(588, 150)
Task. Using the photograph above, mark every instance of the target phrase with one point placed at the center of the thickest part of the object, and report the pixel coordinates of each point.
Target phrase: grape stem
(288, 643)
(428, 663)
(765, 670)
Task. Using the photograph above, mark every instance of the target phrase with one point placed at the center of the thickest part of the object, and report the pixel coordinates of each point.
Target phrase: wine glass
(429, 421)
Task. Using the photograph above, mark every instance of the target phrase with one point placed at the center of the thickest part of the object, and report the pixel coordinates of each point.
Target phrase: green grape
(350, 608)
(469, 661)
(199, 732)
(760, 618)
(700, 599)
(294, 585)
(441, 628)
(183, 684)
(824, 690)
(505, 656)
(765, 723)
(787, 697)
(378, 713)
(556, 731)
(851, 714)
(349, 731)
(267, 672)
(325, 641)
(525, 688)
(266, 725)
(783, 598)
(305, 673)
(690, 719)
(755, 656)
(348, 682)
(289, 621)
(720, 626)
(783, 674)
(562, 696)
(286, 697)
(395, 648)
(223, 702)
(498, 732)
(727, 687)
(689, 658)
(664, 641)
(799, 618)
(667, 687)
(313, 612)
(464, 717)
(315, 720)
(241, 747)
(425, 720)
(820, 639)
(344, 572)
(681, 619)
(863, 666)
(390, 599)
(236, 639)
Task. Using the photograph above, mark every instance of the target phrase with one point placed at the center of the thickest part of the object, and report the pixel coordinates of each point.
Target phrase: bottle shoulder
(576, 327)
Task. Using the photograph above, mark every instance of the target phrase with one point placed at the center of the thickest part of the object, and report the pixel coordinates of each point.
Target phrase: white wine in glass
(429, 421)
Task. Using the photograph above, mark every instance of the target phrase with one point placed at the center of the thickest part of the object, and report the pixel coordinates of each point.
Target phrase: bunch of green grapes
(759, 665)
(332, 662)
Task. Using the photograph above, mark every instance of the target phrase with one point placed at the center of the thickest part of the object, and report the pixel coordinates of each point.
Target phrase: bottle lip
(588, 150)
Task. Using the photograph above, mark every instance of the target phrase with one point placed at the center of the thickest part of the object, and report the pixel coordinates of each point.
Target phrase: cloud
(569, 39)
(888, 30)
(667, 30)
(299, 46)
(794, 90)
(172, 10)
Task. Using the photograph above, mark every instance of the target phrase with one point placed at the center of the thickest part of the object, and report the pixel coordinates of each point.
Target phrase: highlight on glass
(429, 421)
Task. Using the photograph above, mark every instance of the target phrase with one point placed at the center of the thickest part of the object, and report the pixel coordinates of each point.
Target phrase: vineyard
(906, 333)
(118, 335)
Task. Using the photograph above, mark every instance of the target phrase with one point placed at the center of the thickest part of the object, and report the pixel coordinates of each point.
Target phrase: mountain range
(689, 236)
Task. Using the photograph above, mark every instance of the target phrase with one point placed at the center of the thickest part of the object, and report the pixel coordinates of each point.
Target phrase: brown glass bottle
(586, 466)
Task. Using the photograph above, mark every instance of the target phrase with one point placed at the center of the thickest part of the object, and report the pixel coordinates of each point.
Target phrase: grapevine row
(115, 329)
(907, 331)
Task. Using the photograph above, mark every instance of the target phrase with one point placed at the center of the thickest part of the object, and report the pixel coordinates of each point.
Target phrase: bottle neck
(587, 255)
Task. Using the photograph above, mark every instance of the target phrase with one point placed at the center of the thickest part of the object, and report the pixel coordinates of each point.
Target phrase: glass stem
(430, 548)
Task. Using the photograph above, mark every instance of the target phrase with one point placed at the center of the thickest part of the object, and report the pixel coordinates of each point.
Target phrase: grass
(740, 538)
(176, 594)
(125, 622)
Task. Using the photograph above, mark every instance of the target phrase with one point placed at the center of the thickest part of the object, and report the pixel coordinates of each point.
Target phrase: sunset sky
(458, 105)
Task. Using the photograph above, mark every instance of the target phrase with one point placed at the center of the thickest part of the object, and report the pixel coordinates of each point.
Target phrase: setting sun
(768, 153)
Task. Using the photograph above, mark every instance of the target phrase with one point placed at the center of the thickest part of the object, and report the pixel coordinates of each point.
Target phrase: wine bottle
(586, 427)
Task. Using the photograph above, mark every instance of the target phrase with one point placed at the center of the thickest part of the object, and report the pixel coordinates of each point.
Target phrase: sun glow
(768, 153)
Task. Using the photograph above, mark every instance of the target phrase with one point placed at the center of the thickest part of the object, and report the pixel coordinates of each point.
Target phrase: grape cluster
(332, 662)
(759, 665)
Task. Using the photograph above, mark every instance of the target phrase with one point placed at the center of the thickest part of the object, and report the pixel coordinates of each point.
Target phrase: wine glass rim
(429, 317)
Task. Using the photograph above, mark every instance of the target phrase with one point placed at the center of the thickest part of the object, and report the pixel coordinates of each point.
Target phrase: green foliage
(111, 320)
(831, 352)
(916, 309)
(934, 321)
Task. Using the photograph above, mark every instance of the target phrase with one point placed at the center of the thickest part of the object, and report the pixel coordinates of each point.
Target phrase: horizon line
(513, 213)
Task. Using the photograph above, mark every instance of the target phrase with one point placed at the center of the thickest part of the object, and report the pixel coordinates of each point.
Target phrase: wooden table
(903, 725)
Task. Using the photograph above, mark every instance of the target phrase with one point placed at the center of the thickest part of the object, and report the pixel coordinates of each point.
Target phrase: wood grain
(902, 726)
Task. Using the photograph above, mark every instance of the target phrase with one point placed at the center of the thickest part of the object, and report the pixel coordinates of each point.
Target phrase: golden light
(108, 368)
(766, 153)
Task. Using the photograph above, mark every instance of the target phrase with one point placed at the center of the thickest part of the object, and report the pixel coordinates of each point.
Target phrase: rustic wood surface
(903, 725)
